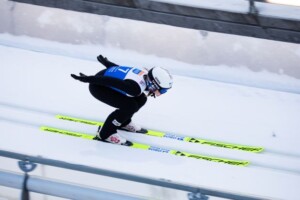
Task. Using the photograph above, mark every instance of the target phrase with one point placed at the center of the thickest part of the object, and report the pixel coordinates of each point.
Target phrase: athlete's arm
(128, 86)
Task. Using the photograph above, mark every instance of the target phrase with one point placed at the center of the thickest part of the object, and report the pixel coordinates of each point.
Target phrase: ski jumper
(121, 87)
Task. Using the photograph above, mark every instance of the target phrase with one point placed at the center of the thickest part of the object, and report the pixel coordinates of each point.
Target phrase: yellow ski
(152, 148)
(154, 133)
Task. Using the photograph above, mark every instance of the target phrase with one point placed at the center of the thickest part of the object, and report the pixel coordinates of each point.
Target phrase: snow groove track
(257, 160)
(240, 147)
(30, 109)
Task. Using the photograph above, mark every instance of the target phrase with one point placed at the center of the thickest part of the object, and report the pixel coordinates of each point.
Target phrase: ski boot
(132, 127)
(114, 139)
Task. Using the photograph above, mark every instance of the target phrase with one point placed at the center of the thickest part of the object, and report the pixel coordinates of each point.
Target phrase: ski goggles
(163, 90)
(153, 87)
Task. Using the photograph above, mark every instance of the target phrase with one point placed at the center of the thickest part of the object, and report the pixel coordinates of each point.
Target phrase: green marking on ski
(152, 148)
(154, 133)
(64, 132)
(84, 121)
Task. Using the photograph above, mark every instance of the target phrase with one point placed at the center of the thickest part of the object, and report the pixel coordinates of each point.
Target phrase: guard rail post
(26, 166)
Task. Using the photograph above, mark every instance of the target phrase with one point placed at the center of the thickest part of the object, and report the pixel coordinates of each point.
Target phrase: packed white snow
(36, 85)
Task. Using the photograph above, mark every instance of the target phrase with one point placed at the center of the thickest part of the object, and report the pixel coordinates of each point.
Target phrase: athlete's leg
(126, 107)
(141, 101)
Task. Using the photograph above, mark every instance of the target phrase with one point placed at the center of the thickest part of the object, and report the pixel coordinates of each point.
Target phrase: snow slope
(37, 85)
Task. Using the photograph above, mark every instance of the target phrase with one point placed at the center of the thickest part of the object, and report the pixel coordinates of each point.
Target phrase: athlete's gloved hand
(104, 61)
(101, 59)
(82, 77)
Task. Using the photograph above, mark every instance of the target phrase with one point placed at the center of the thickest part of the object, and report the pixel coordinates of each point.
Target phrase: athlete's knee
(141, 100)
(131, 107)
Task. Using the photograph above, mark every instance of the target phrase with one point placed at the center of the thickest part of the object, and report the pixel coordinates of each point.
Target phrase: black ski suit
(100, 88)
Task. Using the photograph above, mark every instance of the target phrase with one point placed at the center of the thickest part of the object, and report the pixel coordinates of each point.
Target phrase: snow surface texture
(35, 86)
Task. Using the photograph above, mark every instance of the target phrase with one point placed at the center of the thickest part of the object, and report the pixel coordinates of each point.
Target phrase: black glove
(104, 61)
(82, 77)
(100, 58)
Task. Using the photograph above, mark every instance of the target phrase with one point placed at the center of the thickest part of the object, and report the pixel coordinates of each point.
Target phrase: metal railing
(27, 163)
(55, 188)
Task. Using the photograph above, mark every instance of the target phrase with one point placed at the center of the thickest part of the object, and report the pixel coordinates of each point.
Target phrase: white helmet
(160, 78)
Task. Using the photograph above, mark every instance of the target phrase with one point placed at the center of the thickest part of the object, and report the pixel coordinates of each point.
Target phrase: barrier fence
(56, 188)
